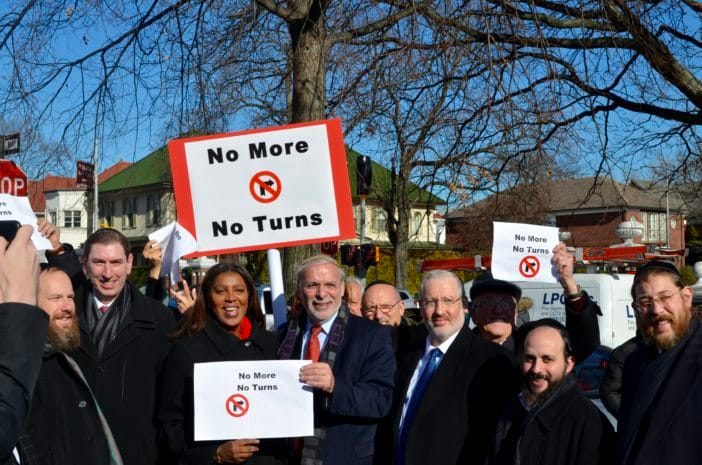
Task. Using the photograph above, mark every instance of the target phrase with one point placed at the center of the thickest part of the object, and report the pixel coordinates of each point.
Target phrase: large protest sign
(522, 252)
(266, 188)
(261, 399)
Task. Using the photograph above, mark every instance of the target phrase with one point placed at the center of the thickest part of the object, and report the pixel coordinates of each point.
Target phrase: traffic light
(370, 254)
(349, 254)
(364, 175)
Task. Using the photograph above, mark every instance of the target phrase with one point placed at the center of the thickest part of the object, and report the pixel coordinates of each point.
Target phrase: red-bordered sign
(237, 405)
(265, 186)
(529, 266)
(218, 180)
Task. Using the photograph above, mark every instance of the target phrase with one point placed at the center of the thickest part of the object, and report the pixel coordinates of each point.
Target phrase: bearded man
(661, 401)
(550, 421)
(65, 424)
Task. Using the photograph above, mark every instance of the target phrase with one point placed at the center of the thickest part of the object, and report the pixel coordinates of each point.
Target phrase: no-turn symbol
(529, 266)
(237, 405)
(265, 186)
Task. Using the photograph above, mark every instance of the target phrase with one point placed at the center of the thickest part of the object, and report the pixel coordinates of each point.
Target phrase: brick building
(589, 209)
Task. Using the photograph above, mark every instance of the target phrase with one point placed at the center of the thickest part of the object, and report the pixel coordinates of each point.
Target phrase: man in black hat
(494, 303)
(661, 402)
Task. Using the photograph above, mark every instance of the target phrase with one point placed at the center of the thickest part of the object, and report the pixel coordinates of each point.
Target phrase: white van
(610, 291)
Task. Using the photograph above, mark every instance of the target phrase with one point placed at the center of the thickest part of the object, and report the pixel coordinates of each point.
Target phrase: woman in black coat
(225, 324)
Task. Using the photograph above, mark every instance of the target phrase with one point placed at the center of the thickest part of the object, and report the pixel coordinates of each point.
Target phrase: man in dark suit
(352, 368)
(451, 385)
(124, 340)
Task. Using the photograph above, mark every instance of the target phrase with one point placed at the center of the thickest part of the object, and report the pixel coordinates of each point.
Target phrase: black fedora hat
(485, 283)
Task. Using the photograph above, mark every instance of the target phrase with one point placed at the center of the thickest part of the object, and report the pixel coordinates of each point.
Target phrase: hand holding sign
(522, 252)
(237, 451)
(564, 264)
(318, 375)
(176, 242)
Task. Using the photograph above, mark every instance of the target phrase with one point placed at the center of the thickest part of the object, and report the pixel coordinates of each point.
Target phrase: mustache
(537, 376)
(659, 319)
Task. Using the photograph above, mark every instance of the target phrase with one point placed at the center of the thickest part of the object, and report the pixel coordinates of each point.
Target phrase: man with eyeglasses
(451, 385)
(661, 403)
(381, 302)
(351, 369)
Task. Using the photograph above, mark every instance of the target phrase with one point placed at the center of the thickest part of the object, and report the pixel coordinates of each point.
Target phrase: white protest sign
(258, 399)
(175, 242)
(522, 252)
(260, 189)
(18, 209)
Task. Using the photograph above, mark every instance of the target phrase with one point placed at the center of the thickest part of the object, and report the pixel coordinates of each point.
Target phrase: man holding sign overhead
(351, 370)
(523, 252)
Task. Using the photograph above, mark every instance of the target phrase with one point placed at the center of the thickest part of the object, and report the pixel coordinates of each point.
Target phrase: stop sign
(330, 247)
(13, 181)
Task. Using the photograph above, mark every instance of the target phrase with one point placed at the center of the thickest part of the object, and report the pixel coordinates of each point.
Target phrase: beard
(536, 398)
(65, 340)
(680, 327)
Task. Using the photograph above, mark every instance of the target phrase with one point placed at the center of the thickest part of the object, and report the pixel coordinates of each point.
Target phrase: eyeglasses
(646, 304)
(373, 309)
(429, 304)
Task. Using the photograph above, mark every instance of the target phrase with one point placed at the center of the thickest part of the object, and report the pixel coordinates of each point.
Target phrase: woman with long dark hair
(225, 324)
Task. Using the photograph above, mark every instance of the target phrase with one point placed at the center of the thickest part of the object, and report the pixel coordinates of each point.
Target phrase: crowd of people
(93, 371)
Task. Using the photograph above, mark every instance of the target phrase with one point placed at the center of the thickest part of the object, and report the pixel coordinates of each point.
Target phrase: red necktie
(312, 352)
(104, 309)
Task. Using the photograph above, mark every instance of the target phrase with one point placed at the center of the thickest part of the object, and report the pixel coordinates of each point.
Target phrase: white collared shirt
(322, 336)
(443, 347)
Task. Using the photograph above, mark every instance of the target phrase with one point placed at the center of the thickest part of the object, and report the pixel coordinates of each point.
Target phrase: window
(153, 210)
(107, 210)
(416, 222)
(71, 218)
(381, 221)
(53, 217)
(128, 213)
(654, 227)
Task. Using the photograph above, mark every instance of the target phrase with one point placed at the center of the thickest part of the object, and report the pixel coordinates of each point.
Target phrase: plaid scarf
(314, 445)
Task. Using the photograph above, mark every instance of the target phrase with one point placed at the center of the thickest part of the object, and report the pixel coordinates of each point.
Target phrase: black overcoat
(675, 417)
(63, 426)
(458, 412)
(568, 430)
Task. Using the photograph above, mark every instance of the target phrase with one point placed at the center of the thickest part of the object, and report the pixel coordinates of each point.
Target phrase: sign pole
(360, 269)
(96, 215)
(275, 273)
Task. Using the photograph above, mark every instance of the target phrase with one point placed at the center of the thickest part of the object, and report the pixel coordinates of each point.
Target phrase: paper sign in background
(522, 252)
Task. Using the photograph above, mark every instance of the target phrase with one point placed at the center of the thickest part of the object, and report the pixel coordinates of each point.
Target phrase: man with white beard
(65, 424)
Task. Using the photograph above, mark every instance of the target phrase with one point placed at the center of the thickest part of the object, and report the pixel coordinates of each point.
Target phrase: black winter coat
(673, 421)
(22, 335)
(568, 430)
(213, 344)
(63, 426)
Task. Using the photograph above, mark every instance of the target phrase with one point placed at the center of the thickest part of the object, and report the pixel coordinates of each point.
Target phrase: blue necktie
(417, 393)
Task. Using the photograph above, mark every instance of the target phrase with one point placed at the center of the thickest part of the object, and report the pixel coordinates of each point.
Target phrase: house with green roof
(140, 200)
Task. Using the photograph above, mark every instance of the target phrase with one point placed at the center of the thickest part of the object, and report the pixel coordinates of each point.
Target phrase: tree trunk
(308, 101)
